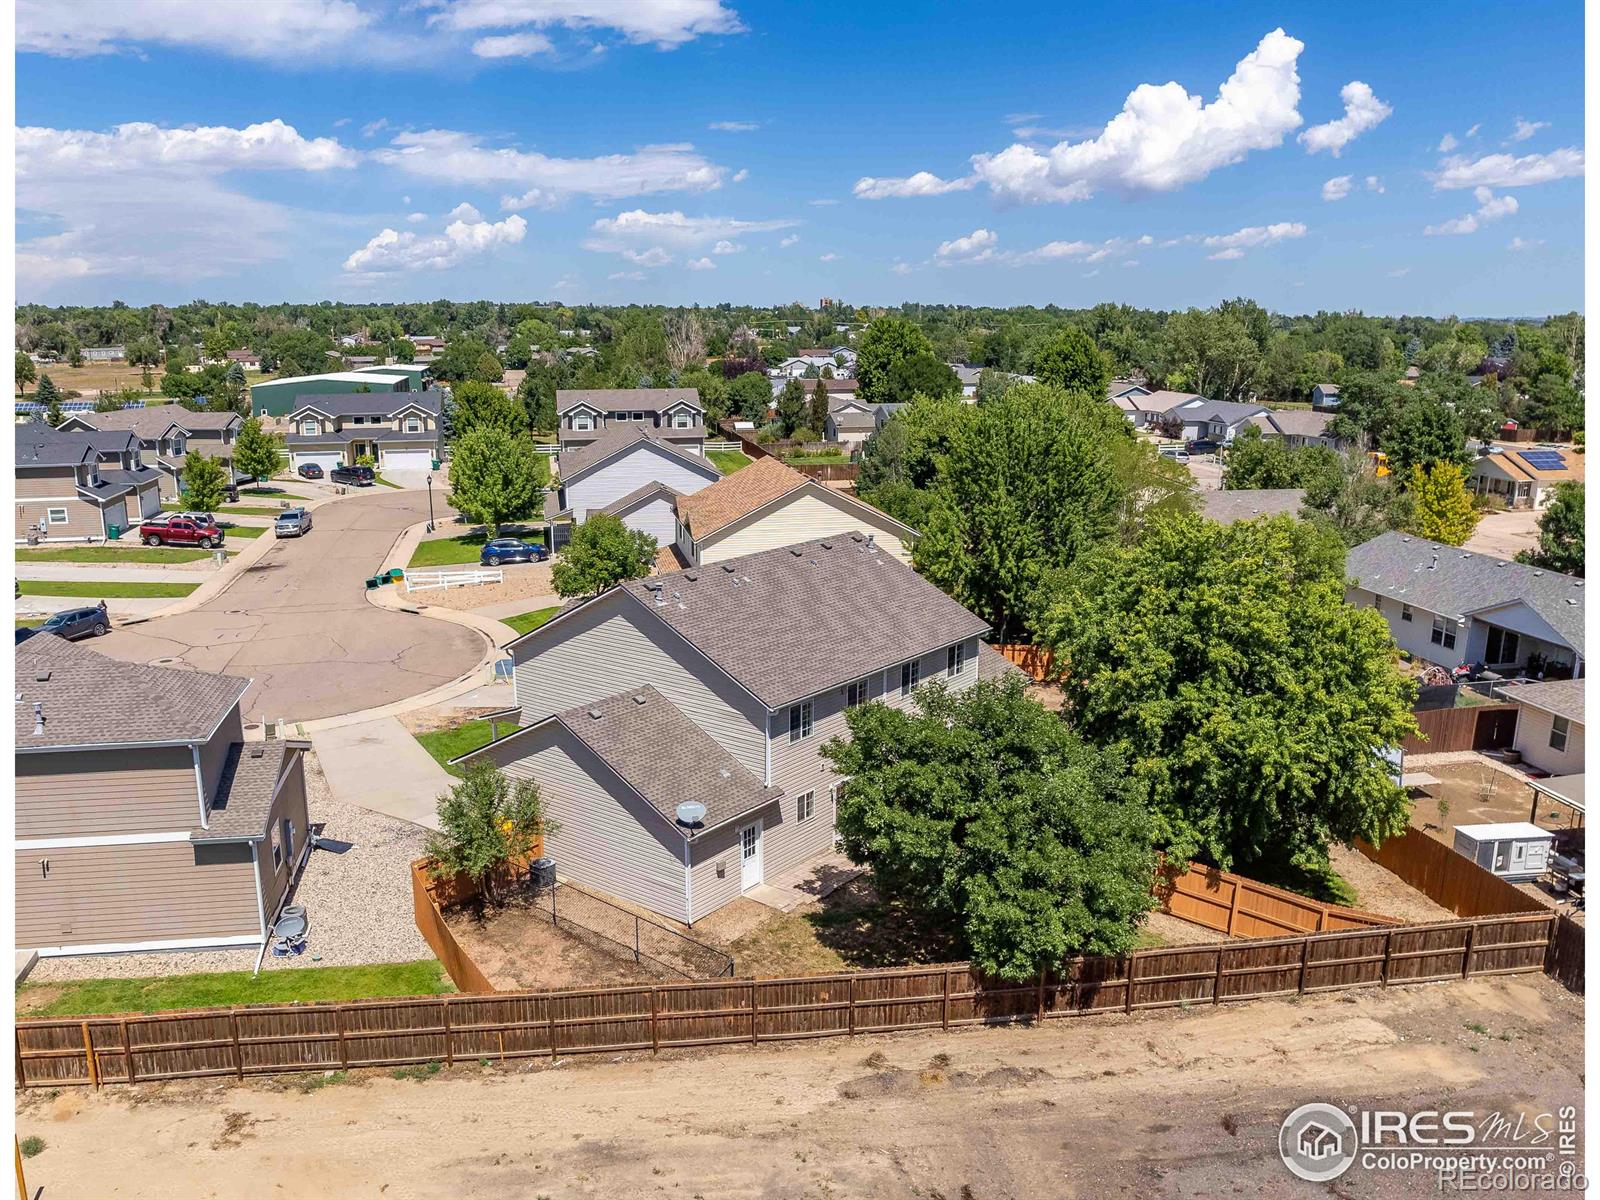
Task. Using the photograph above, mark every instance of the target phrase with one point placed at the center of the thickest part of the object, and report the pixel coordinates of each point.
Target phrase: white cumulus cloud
(665, 24)
(1233, 245)
(1490, 208)
(1505, 170)
(923, 183)
(1374, 184)
(1362, 111)
(1519, 243)
(464, 212)
(828, 257)
(790, 240)
(392, 251)
(702, 264)
(628, 230)
(1337, 188)
(977, 246)
(653, 257)
(416, 218)
(1448, 143)
(1526, 129)
(727, 247)
(513, 45)
(734, 126)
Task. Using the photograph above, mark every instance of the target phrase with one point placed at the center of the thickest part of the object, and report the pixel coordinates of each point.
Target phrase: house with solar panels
(1523, 478)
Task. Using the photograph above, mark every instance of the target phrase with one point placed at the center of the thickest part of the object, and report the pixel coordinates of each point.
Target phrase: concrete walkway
(378, 765)
(195, 571)
(515, 608)
(30, 607)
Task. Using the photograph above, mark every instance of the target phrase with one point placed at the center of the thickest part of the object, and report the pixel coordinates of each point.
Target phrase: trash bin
(396, 574)
(113, 532)
(542, 873)
(372, 584)
(436, 464)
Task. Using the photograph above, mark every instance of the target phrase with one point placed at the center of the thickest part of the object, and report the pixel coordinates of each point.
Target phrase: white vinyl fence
(421, 581)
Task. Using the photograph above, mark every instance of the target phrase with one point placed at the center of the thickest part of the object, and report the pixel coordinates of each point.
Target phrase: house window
(277, 851)
(179, 445)
(955, 659)
(1444, 633)
(682, 420)
(1405, 612)
(310, 428)
(805, 806)
(1559, 728)
(855, 695)
(288, 839)
(910, 676)
(800, 721)
(56, 516)
(413, 424)
(583, 422)
(1501, 646)
(638, 416)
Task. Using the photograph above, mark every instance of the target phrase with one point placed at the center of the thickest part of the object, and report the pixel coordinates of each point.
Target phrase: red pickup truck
(180, 531)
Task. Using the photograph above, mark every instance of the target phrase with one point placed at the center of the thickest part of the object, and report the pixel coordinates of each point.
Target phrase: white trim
(199, 943)
(200, 787)
(261, 903)
(767, 779)
(688, 887)
(107, 839)
(49, 516)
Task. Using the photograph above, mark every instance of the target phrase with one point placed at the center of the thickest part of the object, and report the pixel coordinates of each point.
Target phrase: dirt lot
(1171, 1103)
(1382, 891)
(1503, 534)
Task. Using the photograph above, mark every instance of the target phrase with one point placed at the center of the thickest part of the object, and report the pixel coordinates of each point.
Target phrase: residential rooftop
(345, 404)
(1559, 697)
(1244, 504)
(152, 422)
(737, 495)
(579, 460)
(629, 399)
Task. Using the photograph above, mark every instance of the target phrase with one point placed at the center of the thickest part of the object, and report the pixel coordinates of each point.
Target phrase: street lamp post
(430, 503)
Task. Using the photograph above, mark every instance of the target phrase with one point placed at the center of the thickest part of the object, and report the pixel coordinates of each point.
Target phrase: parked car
(309, 471)
(1203, 446)
(359, 476)
(1175, 453)
(75, 623)
(511, 550)
(292, 522)
(181, 530)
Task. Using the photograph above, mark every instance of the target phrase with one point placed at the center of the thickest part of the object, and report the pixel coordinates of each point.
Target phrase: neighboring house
(104, 353)
(1117, 389)
(676, 414)
(1217, 420)
(277, 397)
(841, 360)
(717, 686)
(850, 422)
(1146, 411)
(168, 433)
(602, 474)
(1451, 606)
(1297, 427)
(1412, 374)
(1325, 397)
(769, 504)
(834, 389)
(144, 821)
(425, 343)
(1550, 725)
(1523, 478)
(249, 360)
(968, 375)
(1245, 504)
(882, 412)
(72, 486)
(398, 431)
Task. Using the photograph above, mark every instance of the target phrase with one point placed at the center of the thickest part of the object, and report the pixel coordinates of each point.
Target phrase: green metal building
(277, 397)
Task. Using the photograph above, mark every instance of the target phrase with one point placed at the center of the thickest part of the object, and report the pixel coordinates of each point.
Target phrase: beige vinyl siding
(95, 793)
(1533, 741)
(805, 515)
(291, 803)
(612, 645)
(46, 481)
(718, 847)
(113, 894)
(214, 754)
(83, 518)
(609, 839)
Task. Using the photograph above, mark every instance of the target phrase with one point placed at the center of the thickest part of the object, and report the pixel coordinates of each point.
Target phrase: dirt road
(1171, 1103)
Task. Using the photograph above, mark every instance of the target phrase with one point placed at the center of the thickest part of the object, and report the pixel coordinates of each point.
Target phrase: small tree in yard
(1443, 509)
(257, 453)
(205, 483)
(603, 551)
(819, 409)
(994, 817)
(26, 371)
(1560, 533)
(486, 821)
(496, 477)
(49, 395)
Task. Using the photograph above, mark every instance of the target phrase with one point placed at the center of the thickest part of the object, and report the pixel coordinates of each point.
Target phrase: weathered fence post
(755, 1002)
(344, 1047)
(1133, 962)
(449, 1048)
(655, 1022)
(850, 1003)
(1466, 958)
(1233, 906)
(1388, 951)
(127, 1051)
(1216, 985)
(88, 1056)
(1305, 961)
(944, 1012)
(238, 1050)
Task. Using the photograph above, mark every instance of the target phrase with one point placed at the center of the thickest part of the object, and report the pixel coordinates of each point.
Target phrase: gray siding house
(608, 474)
(78, 486)
(398, 431)
(144, 821)
(676, 414)
(710, 685)
(168, 433)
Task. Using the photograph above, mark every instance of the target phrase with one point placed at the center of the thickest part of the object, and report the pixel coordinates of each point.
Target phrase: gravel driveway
(359, 902)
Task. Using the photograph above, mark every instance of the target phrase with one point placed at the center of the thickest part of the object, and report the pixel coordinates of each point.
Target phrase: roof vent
(258, 749)
(827, 545)
(1570, 600)
(855, 537)
(691, 576)
(1434, 564)
(38, 718)
(594, 714)
(640, 698)
(872, 541)
(1538, 574)
(42, 676)
(729, 568)
(724, 772)
(796, 551)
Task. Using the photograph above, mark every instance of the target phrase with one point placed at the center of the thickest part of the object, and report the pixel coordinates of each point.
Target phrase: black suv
(75, 623)
(360, 476)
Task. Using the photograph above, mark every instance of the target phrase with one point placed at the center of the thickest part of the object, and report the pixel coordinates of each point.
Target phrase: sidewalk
(197, 571)
(29, 607)
(379, 766)
(515, 608)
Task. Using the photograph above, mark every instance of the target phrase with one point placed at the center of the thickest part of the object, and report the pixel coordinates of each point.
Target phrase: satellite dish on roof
(691, 812)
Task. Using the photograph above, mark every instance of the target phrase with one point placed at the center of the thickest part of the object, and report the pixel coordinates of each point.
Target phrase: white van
(1175, 453)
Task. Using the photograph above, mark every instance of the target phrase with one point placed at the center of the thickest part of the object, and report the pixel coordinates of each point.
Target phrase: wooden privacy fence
(1565, 957)
(264, 1039)
(1448, 878)
(1474, 727)
(1241, 907)
(1035, 660)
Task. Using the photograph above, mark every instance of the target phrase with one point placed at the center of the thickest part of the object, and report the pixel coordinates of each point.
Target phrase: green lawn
(453, 551)
(244, 531)
(263, 489)
(728, 461)
(272, 986)
(111, 554)
(445, 744)
(529, 621)
(109, 590)
(229, 510)
(382, 482)
(816, 460)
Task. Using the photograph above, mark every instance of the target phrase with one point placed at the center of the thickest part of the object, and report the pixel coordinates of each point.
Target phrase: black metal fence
(615, 930)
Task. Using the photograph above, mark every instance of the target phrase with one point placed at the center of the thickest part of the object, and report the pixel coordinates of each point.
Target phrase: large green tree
(792, 408)
(1248, 695)
(991, 816)
(1425, 431)
(1071, 361)
(205, 482)
(921, 375)
(748, 397)
(26, 371)
(886, 342)
(485, 406)
(603, 551)
(1441, 505)
(496, 476)
(467, 359)
(1027, 486)
(257, 453)
(1560, 533)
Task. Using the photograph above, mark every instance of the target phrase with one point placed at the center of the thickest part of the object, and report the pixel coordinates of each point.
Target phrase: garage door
(326, 459)
(407, 460)
(150, 503)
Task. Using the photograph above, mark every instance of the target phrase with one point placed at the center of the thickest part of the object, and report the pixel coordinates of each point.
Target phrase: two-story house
(1452, 606)
(674, 723)
(168, 433)
(631, 471)
(675, 414)
(770, 504)
(72, 486)
(144, 821)
(398, 431)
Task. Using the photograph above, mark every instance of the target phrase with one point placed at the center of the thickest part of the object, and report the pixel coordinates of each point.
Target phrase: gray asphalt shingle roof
(243, 799)
(580, 460)
(1230, 411)
(624, 504)
(90, 700)
(38, 445)
(1455, 582)
(154, 420)
(666, 757)
(626, 399)
(792, 622)
(1560, 697)
(349, 404)
(1243, 504)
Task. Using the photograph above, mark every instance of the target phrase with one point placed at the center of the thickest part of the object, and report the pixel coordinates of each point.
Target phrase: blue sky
(1393, 158)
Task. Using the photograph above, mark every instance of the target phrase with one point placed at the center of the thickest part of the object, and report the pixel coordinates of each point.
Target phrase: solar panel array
(1544, 460)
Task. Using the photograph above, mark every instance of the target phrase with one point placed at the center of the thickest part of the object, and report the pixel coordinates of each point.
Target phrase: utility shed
(1514, 850)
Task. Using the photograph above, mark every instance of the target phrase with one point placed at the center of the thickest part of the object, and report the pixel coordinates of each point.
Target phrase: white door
(407, 460)
(326, 459)
(1519, 858)
(749, 856)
